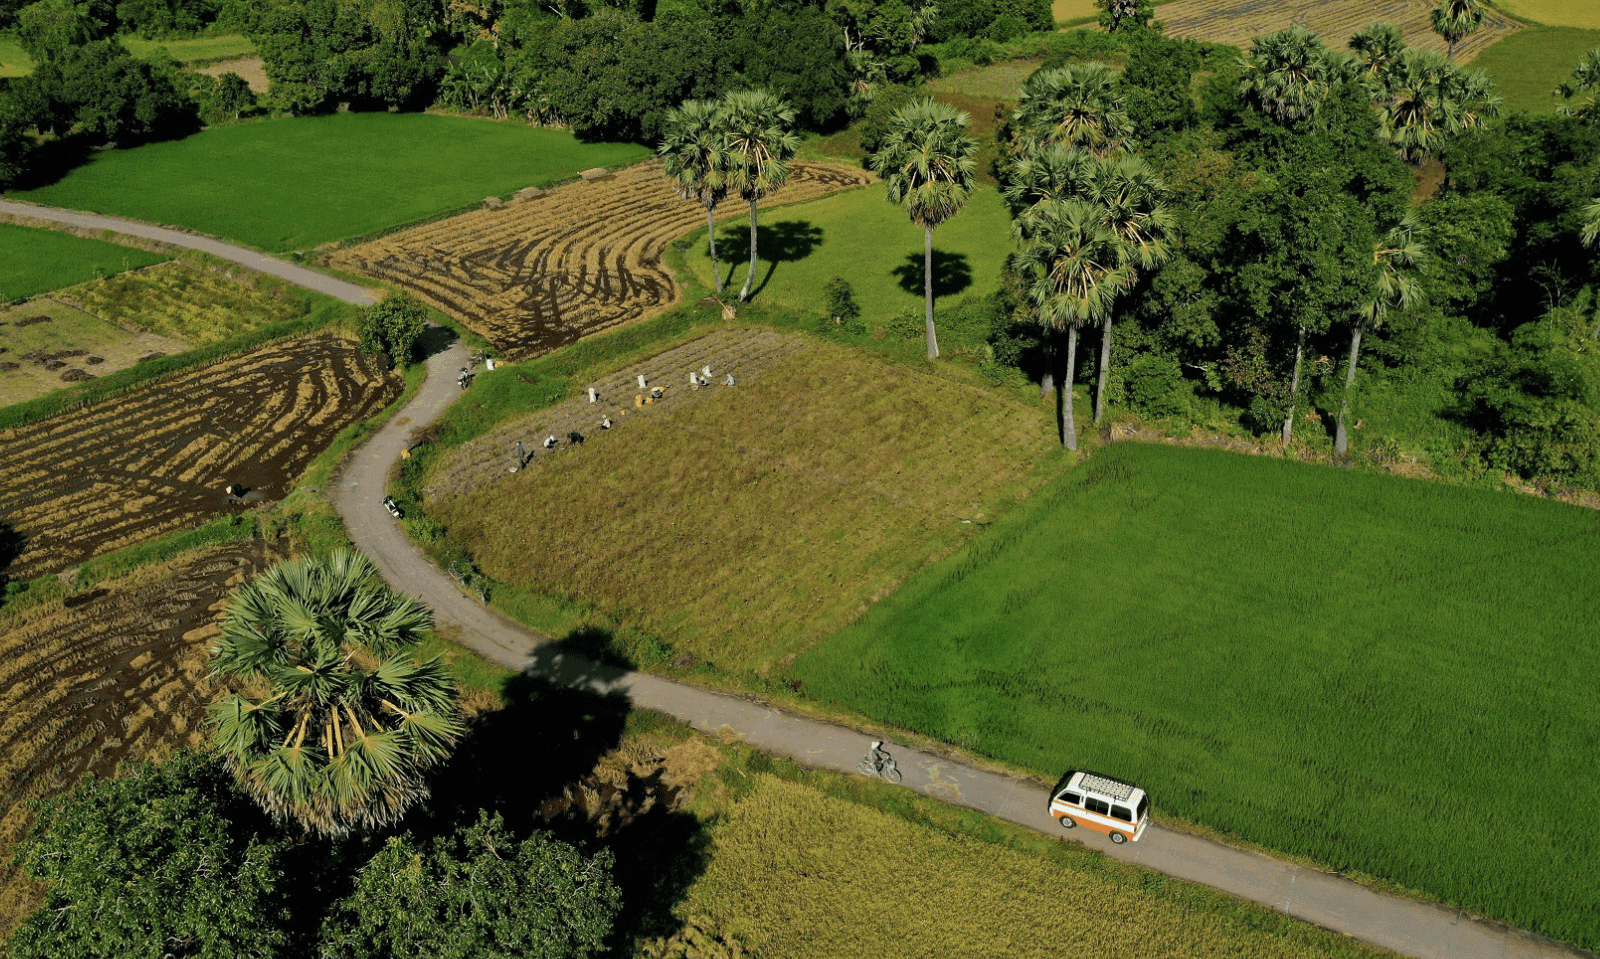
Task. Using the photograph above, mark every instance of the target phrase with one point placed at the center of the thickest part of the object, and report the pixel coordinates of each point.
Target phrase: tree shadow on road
(434, 340)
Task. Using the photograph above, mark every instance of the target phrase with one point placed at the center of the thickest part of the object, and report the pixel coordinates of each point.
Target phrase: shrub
(394, 327)
(889, 99)
(844, 313)
(909, 325)
(1154, 386)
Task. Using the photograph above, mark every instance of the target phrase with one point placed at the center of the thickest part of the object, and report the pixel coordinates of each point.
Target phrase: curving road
(1414, 929)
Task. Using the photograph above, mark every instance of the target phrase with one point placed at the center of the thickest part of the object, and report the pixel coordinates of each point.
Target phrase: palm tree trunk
(1294, 387)
(1341, 439)
(1069, 426)
(750, 277)
(1105, 365)
(927, 288)
(716, 271)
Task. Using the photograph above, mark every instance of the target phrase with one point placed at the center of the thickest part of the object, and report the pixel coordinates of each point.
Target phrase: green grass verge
(861, 236)
(13, 62)
(296, 183)
(1358, 669)
(34, 261)
(203, 49)
(1528, 65)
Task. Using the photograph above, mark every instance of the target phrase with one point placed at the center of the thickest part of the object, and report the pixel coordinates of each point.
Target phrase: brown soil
(547, 270)
(252, 69)
(1237, 21)
(146, 463)
(106, 676)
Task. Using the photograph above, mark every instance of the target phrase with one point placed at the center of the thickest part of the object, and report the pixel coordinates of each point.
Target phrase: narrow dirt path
(298, 275)
(1415, 929)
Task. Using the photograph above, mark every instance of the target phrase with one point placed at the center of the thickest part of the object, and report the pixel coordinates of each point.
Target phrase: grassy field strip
(199, 307)
(1269, 648)
(1556, 13)
(34, 261)
(13, 61)
(191, 49)
(1237, 21)
(797, 874)
(860, 234)
(296, 183)
(544, 272)
(1529, 65)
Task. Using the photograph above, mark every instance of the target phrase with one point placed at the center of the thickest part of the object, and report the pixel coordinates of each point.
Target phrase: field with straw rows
(797, 874)
(105, 676)
(1269, 647)
(1236, 22)
(742, 523)
(197, 306)
(148, 462)
(549, 269)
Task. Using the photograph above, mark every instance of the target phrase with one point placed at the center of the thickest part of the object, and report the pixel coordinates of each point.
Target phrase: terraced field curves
(545, 271)
(146, 463)
(1236, 22)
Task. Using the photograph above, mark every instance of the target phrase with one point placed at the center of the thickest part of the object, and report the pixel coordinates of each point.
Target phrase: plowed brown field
(546, 271)
(140, 465)
(114, 674)
(1230, 21)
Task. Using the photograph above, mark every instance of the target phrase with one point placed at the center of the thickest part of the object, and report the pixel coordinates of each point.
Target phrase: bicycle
(879, 764)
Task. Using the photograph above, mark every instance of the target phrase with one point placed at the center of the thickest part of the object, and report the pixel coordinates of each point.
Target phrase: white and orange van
(1101, 803)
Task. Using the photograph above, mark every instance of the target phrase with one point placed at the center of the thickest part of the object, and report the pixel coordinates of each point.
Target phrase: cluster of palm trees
(742, 144)
(1422, 98)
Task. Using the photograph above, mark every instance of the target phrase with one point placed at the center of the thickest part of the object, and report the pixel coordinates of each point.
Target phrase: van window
(1122, 812)
(1144, 806)
(1072, 798)
(1097, 805)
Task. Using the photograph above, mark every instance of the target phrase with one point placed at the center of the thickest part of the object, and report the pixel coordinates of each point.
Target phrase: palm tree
(926, 161)
(694, 155)
(1054, 172)
(1429, 100)
(1288, 74)
(761, 141)
(1076, 273)
(1585, 85)
(1398, 256)
(1078, 105)
(1455, 20)
(1377, 49)
(346, 720)
(1591, 224)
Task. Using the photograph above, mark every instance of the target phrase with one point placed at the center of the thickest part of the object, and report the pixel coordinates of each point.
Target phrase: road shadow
(786, 241)
(533, 761)
(951, 274)
(434, 340)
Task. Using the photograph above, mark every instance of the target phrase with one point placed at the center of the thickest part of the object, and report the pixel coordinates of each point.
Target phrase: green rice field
(293, 184)
(1389, 676)
(34, 261)
(1528, 65)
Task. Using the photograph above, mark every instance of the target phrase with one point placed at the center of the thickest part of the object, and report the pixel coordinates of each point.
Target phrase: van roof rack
(1106, 787)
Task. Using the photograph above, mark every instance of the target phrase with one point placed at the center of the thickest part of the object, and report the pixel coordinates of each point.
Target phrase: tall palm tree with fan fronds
(1429, 100)
(339, 721)
(1456, 20)
(694, 154)
(1399, 256)
(1078, 105)
(926, 161)
(1287, 75)
(759, 126)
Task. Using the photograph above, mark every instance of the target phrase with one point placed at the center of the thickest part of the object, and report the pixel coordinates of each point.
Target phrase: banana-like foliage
(1582, 93)
(1287, 75)
(339, 722)
(1078, 105)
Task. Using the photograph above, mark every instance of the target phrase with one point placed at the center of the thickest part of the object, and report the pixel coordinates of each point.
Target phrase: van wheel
(1067, 822)
(1118, 838)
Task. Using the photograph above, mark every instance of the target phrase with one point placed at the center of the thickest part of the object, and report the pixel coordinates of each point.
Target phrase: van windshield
(1144, 806)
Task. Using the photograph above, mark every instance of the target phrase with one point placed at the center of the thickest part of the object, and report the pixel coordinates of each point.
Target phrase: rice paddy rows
(552, 268)
(114, 674)
(1234, 22)
(137, 466)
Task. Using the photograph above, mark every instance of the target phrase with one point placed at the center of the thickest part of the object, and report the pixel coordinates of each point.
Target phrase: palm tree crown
(1585, 89)
(1376, 49)
(1078, 105)
(695, 158)
(1591, 224)
(761, 141)
(1429, 99)
(347, 720)
(1455, 20)
(926, 161)
(1288, 74)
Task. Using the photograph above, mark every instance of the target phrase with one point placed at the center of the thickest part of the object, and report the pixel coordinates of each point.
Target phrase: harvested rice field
(46, 344)
(741, 524)
(1235, 22)
(554, 266)
(111, 674)
(196, 306)
(156, 459)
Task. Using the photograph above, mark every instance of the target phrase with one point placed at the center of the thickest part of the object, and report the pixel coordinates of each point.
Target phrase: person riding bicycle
(877, 756)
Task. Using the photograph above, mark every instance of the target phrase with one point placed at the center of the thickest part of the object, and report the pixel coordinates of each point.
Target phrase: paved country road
(1415, 929)
(298, 275)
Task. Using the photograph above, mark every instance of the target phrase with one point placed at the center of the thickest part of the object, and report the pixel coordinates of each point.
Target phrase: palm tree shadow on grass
(786, 241)
(951, 273)
(561, 715)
